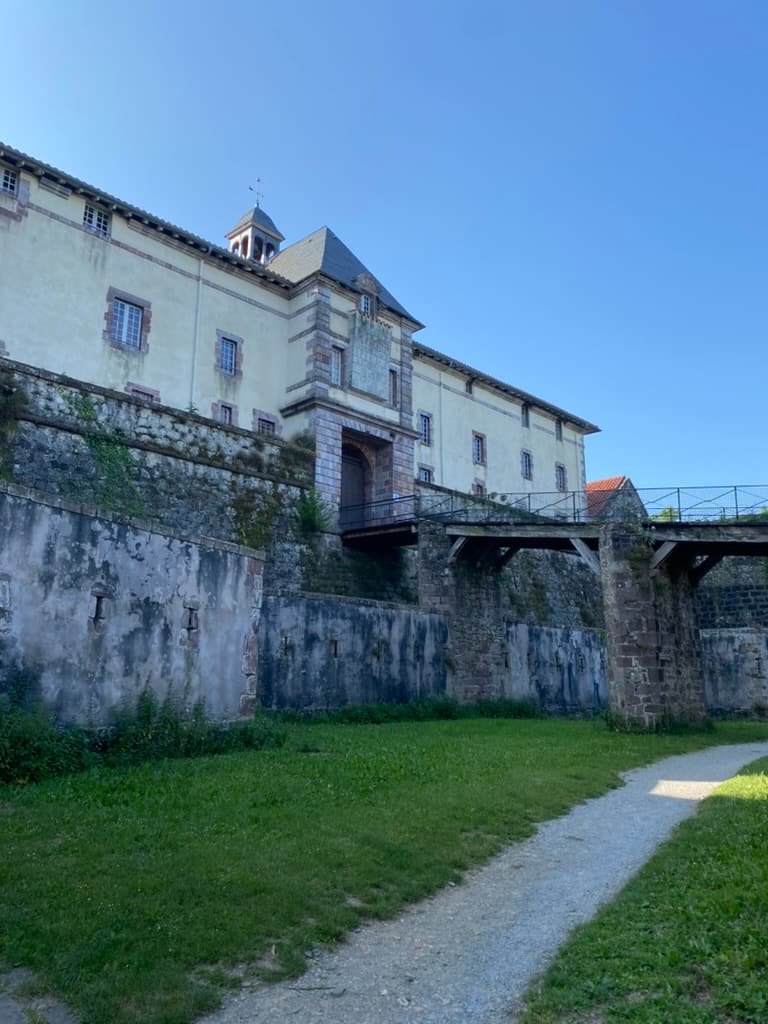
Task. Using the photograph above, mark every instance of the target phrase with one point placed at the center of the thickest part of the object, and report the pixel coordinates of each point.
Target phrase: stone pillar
(327, 430)
(681, 674)
(653, 660)
(470, 598)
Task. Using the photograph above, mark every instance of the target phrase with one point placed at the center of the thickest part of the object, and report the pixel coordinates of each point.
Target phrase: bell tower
(255, 236)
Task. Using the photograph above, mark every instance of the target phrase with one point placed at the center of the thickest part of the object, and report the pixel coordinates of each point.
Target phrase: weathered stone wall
(536, 588)
(95, 608)
(319, 652)
(559, 670)
(735, 666)
(91, 445)
(734, 594)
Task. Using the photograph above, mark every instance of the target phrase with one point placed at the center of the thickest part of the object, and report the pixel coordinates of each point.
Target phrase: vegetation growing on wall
(112, 487)
(292, 460)
(13, 401)
(313, 513)
(256, 513)
(295, 459)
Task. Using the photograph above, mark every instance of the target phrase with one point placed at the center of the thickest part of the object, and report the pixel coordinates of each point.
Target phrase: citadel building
(278, 340)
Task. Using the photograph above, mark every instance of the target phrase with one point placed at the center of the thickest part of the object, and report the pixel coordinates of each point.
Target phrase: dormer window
(9, 181)
(96, 221)
(366, 305)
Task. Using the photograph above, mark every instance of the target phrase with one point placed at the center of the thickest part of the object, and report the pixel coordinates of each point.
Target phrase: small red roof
(599, 491)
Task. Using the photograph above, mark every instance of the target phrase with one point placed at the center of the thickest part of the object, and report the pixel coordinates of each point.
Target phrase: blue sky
(572, 196)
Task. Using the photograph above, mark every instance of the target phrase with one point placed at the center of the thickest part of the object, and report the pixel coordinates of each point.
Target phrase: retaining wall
(94, 608)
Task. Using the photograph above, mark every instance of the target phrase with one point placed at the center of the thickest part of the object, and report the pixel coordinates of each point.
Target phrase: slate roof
(423, 351)
(261, 219)
(48, 173)
(323, 252)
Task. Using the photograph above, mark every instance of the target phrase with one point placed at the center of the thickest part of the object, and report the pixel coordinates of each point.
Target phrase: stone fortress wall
(140, 545)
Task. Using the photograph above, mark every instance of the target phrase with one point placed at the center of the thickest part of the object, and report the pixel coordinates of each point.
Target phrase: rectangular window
(394, 391)
(126, 323)
(478, 489)
(425, 474)
(526, 465)
(561, 479)
(96, 221)
(558, 430)
(366, 305)
(337, 367)
(228, 356)
(226, 414)
(478, 449)
(425, 428)
(468, 386)
(143, 393)
(264, 426)
(525, 415)
(9, 180)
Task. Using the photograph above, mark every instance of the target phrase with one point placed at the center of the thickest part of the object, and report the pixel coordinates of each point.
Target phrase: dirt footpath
(466, 955)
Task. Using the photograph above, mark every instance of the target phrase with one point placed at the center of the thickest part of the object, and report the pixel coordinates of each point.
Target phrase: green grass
(687, 940)
(137, 893)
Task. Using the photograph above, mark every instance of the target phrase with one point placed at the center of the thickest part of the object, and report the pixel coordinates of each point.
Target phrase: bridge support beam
(653, 657)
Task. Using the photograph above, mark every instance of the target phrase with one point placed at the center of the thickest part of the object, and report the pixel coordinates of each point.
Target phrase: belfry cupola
(255, 236)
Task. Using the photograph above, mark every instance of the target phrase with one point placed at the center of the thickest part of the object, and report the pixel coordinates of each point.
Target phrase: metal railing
(388, 512)
(743, 503)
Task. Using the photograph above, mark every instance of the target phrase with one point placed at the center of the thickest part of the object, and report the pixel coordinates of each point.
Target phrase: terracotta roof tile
(599, 491)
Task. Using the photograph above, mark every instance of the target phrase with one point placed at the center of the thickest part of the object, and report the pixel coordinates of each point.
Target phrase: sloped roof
(600, 491)
(421, 351)
(323, 252)
(261, 219)
(48, 173)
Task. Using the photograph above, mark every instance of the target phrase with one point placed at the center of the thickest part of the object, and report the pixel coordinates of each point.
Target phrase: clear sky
(571, 194)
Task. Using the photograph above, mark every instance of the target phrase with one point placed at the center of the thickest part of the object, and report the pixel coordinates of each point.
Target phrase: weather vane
(258, 193)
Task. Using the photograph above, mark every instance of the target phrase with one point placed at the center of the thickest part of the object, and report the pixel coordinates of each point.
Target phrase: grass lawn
(686, 941)
(134, 893)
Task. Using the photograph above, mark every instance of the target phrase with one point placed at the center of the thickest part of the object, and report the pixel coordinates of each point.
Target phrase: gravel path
(467, 954)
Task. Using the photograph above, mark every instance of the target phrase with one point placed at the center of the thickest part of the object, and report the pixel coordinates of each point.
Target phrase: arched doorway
(354, 470)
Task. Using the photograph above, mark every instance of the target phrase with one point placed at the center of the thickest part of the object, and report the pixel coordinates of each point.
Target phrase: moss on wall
(13, 402)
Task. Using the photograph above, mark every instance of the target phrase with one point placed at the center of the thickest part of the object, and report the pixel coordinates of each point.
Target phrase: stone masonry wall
(94, 608)
(91, 445)
(735, 666)
(536, 589)
(654, 666)
(559, 670)
(734, 594)
(319, 652)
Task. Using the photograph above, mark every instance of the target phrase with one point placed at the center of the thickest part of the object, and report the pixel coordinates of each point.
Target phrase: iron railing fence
(747, 503)
(388, 512)
(738, 503)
